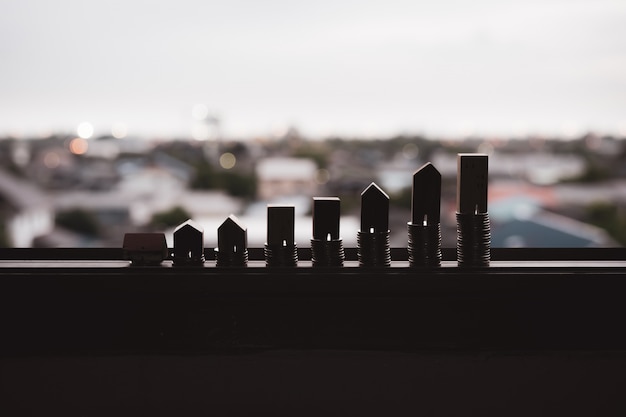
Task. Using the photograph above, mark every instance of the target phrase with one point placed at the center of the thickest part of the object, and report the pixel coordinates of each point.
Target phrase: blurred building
(543, 229)
(397, 174)
(25, 210)
(279, 176)
(519, 219)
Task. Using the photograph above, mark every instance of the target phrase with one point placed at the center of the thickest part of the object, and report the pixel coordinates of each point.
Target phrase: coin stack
(232, 243)
(231, 258)
(473, 239)
(424, 244)
(373, 249)
(281, 255)
(327, 252)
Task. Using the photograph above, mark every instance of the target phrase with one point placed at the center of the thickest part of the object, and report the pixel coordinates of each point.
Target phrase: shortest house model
(145, 248)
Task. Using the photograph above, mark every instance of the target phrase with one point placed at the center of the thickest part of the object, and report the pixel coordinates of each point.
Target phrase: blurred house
(585, 194)
(158, 173)
(139, 197)
(349, 174)
(397, 174)
(108, 147)
(150, 181)
(281, 176)
(518, 219)
(53, 167)
(25, 210)
(543, 229)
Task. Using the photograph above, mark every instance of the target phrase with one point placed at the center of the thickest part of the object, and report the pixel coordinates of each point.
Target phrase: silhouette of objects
(232, 243)
(280, 249)
(326, 246)
(145, 248)
(373, 238)
(424, 243)
(188, 244)
(473, 247)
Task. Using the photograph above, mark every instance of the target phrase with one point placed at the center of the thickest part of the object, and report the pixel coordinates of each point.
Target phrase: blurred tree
(609, 217)
(233, 182)
(170, 218)
(594, 172)
(237, 184)
(79, 221)
(4, 238)
(205, 177)
(318, 154)
(402, 198)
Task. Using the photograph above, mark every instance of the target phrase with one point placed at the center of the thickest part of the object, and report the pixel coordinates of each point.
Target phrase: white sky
(365, 67)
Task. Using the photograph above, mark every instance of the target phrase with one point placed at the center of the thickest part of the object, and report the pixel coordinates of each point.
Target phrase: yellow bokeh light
(78, 146)
(227, 160)
(322, 176)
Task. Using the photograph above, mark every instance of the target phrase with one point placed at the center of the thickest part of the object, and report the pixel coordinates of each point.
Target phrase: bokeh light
(119, 130)
(410, 151)
(78, 146)
(227, 160)
(200, 131)
(322, 176)
(52, 160)
(85, 130)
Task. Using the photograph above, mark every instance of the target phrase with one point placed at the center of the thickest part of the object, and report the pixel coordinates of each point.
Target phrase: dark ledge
(537, 300)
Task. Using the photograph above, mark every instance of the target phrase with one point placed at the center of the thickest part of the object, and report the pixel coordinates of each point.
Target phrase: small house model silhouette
(145, 248)
(374, 210)
(426, 196)
(189, 244)
(232, 243)
(232, 236)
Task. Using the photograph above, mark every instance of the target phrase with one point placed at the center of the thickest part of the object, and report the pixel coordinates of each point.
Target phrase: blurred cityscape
(83, 191)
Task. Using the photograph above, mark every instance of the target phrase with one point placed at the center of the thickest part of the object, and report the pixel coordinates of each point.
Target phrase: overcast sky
(366, 67)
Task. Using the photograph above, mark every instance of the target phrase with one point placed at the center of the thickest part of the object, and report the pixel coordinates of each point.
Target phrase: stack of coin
(424, 245)
(473, 239)
(327, 252)
(373, 249)
(281, 255)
